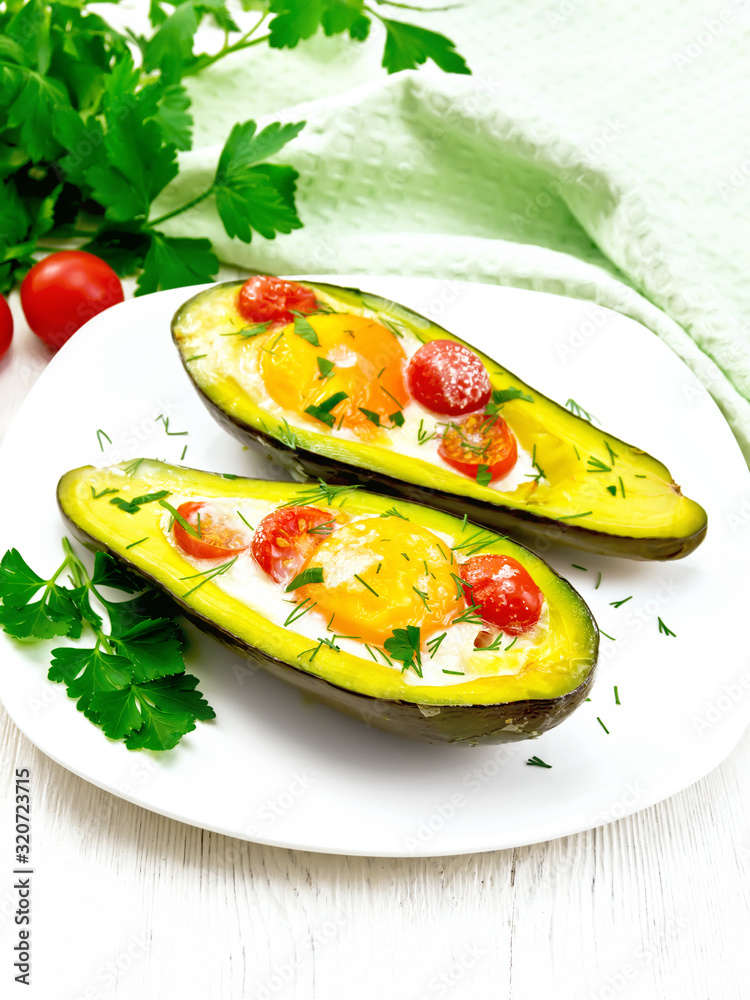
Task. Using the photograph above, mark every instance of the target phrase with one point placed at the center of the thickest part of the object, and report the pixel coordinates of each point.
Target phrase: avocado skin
(540, 533)
(506, 722)
(525, 526)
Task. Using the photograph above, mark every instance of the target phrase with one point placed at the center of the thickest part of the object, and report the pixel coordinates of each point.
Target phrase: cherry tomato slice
(283, 541)
(503, 591)
(263, 299)
(448, 378)
(480, 441)
(6, 326)
(217, 541)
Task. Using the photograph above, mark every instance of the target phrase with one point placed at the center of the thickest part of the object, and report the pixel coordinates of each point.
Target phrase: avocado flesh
(631, 508)
(546, 688)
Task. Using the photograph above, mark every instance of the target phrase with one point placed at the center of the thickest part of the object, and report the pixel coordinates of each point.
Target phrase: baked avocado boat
(409, 619)
(346, 386)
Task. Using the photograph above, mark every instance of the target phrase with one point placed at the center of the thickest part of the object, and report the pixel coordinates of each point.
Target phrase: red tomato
(480, 440)
(217, 541)
(6, 326)
(282, 542)
(448, 378)
(263, 299)
(503, 592)
(64, 290)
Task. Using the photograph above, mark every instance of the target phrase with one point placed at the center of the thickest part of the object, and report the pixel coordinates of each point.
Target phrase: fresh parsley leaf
(172, 262)
(313, 574)
(397, 418)
(153, 646)
(109, 573)
(322, 411)
(298, 19)
(251, 195)
(18, 581)
(173, 117)
(171, 46)
(134, 505)
(373, 417)
(408, 46)
(303, 328)
(404, 646)
(86, 672)
(32, 622)
(500, 396)
(325, 367)
(484, 476)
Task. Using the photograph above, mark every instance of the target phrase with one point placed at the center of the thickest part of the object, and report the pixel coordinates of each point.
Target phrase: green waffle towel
(599, 151)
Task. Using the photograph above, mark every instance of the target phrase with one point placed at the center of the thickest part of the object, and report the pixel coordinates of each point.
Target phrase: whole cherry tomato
(6, 326)
(263, 299)
(503, 591)
(448, 378)
(63, 291)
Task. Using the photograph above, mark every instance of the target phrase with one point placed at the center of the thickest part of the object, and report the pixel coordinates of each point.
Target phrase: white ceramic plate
(279, 770)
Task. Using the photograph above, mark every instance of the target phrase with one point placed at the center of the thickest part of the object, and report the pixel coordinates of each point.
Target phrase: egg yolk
(354, 355)
(384, 573)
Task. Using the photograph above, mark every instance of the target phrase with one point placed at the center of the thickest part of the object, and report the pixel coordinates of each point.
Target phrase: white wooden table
(128, 904)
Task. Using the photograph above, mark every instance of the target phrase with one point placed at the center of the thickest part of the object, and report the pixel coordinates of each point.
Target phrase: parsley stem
(184, 208)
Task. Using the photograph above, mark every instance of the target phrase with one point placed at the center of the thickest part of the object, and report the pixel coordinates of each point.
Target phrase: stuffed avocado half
(346, 386)
(408, 618)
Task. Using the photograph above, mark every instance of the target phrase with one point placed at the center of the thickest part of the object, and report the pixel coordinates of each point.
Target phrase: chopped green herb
(537, 762)
(322, 411)
(617, 696)
(102, 493)
(102, 434)
(392, 512)
(460, 585)
(565, 517)
(469, 616)
(622, 488)
(325, 367)
(370, 652)
(405, 556)
(457, 673)
(576, 566)
(578, 456)
(373, 417)
(325, 528)
(251, 331)
(196, 357)
(597, 465)
(484, 476)
(378, 569)
(664, 630)
(612, 454)
(618, 604)
(132, 467)
(134, 505)
(180, 519)
(598, 581)
(500, 396)
(365, 584)
(496, 644)
(184, 452)
(133, 544)
(274, 344)
(209, 575)
(479, 540)
(313, 574)
(242, 518)
(229, 475)
(286, 435)
(422, 436)
(322, 493)
(404, 646)
(423, 595)
(397, 418)
(640, 476)
(165, 421)
(299, 611)
(390, 395)
(612, 490)
(602, 725)
(579, 411)
(511, 644)
(303, 329)
(427, 570)
(391, 325)
(607, 636)
(433, 645)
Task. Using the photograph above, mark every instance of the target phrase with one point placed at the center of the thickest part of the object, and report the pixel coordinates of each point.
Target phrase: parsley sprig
(132, 681)
(92, 120)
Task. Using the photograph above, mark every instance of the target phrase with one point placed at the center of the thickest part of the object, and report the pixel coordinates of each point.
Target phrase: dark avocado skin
(468, 724)
(524, 525)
